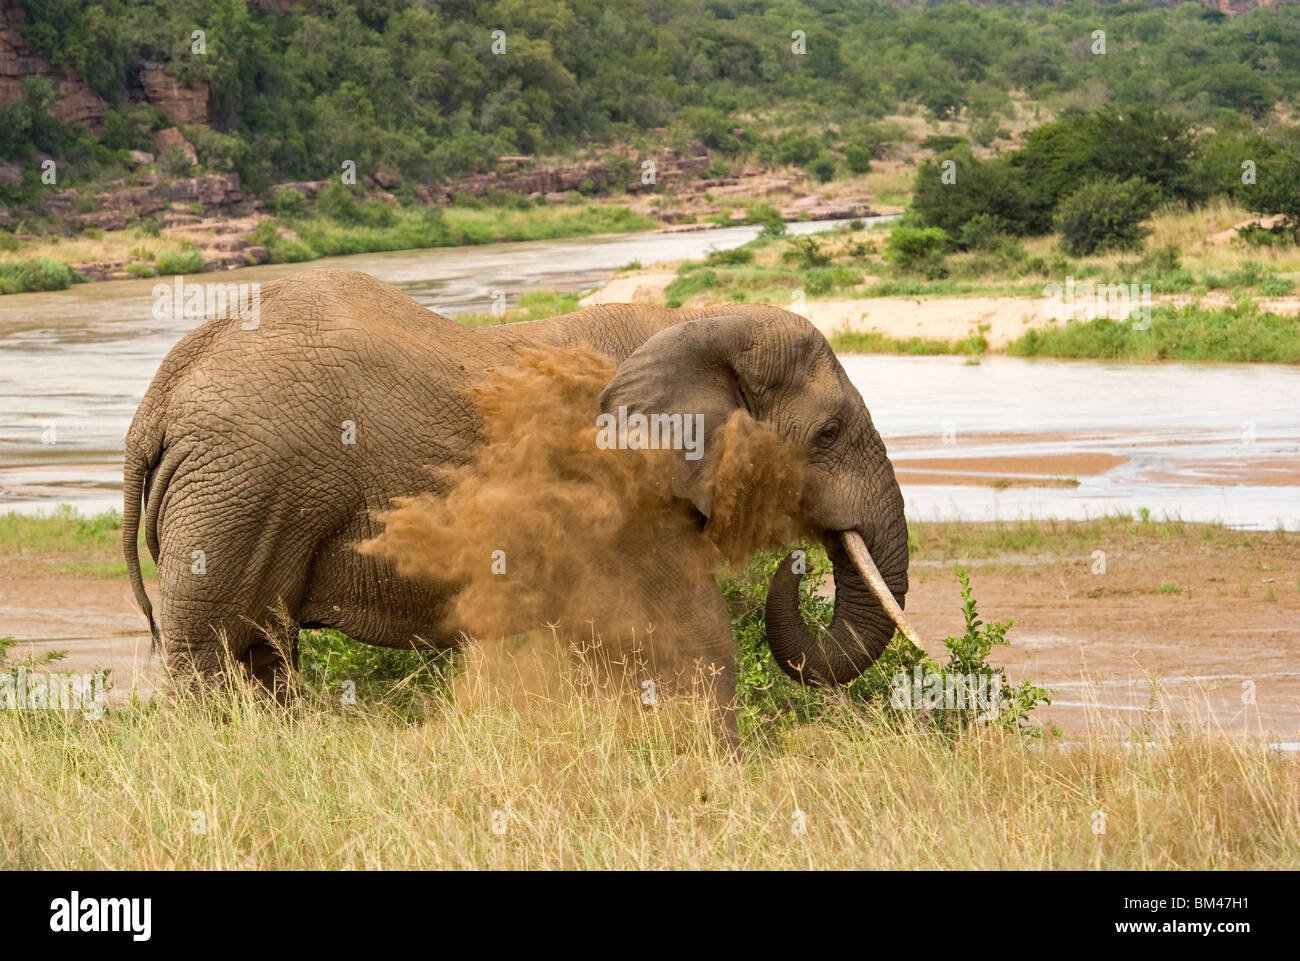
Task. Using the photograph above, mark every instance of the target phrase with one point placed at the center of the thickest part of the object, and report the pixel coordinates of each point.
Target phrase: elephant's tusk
(853, 543)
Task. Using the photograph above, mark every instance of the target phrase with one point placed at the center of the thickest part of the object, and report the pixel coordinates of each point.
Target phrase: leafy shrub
(404, 680)
(806, 252)
(1278, 189)
(217, 151)
(979, 231)
(797, 147)
(338, 203)
(726, 258)
(770, 701)
(688, 285)
(822, 280)
(858, 154)
(941, 142)
(179, 262)
(290, 203)
(175, 162)
(1105, 214)
(823, 168)
(1254, 275)
(35, 273)
(918, 249)
(768, 216)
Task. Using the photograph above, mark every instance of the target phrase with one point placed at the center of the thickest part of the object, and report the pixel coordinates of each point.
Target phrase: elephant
(252, 505)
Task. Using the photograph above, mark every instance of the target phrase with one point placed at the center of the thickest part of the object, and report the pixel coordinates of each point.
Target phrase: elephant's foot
(274, 665)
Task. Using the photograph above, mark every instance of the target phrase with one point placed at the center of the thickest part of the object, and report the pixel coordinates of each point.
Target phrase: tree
(918, 249)
(1105, 214)
(976, 187)
(1277, 190)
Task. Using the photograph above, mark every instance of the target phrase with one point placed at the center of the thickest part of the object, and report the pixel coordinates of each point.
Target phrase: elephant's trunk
(868, 606)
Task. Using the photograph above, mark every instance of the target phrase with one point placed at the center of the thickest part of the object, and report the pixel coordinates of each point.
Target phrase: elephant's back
(329, 356)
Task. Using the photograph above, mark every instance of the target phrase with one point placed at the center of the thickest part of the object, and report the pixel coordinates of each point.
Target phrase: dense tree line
(1096, 176)
(414, 85)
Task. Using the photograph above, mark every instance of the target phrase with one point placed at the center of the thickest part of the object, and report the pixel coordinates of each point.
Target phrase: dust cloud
(544, 527)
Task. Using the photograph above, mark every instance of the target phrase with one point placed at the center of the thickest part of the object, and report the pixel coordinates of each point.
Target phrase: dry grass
(111, 245)
(566, 780)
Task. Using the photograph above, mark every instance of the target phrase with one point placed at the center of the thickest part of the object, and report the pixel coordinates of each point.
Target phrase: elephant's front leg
(685, 645)
(273, 663)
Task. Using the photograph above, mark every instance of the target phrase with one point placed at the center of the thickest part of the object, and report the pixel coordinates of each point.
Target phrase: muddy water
(1006, 438)
(1204, 442)
(75, 363)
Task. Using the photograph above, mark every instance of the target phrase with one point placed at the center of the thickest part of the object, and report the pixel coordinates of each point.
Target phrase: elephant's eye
(830, 433)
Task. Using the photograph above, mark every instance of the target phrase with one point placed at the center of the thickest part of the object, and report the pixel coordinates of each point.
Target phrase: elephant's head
(779, 368)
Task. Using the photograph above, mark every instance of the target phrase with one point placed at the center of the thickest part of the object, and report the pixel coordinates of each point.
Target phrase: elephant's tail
(134, 470)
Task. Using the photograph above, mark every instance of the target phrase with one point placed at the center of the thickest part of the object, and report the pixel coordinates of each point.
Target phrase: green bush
(337, 202)
(806, 252)
(1278, 187)
(405, 681)
(290, 203)
(727, 258)
(1241, 332)
(1105, 214)
(918, 249)
(858, 154)
(823, 168)
(175, 162)
(768, 217)
(822, 280)
(688, 285)
(35, 273)
(940, 143)
(180, 262)
(769, 701)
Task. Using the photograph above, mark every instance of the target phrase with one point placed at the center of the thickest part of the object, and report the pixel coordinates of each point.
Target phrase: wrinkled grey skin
(236, 451)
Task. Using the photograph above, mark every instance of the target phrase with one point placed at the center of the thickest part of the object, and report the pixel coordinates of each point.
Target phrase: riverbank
(143, 226)
(1216, 300)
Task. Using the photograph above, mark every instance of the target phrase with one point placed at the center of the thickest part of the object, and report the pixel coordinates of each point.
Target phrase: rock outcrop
(172, 137)
(19, 59)
(175, 201)
(78, 103)
(179, 102)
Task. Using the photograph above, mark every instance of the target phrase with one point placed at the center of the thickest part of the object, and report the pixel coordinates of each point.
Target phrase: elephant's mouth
(856, 548)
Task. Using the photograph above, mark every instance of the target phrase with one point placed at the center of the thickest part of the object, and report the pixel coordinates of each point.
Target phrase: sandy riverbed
(1001, 320)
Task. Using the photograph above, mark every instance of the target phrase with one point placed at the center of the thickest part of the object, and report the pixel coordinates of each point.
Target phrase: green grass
(179, 262)
(76, 543)
(385, 228)
(33, 274)
(948, 539)
(874, 342)
(536, 305)
(68, 542)
(1241, 332)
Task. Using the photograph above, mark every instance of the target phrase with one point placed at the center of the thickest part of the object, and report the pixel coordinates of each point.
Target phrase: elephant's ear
(691, 369)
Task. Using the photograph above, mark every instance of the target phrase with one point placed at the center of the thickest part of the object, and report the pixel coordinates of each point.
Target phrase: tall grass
(378, 227)
(566, 780)
(1239, 332)
(34, 273)
(512, 756)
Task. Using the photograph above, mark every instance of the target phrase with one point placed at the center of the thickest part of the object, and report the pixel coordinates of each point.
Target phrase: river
(1200, 442)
